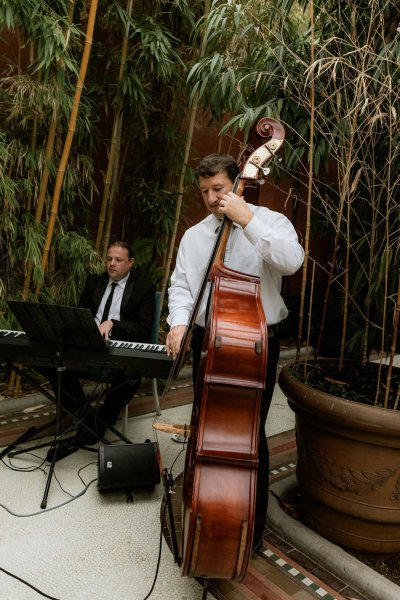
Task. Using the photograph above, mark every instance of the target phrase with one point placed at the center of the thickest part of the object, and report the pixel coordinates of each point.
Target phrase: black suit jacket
(137, 306)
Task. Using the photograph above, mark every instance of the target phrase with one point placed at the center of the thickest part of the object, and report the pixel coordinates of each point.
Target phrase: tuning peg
(266, 171)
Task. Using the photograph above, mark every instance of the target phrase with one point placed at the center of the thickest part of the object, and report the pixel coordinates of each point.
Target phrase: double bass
(220, 474)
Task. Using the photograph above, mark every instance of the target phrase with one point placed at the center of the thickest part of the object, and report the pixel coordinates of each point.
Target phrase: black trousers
(120, 391)
(263, 453)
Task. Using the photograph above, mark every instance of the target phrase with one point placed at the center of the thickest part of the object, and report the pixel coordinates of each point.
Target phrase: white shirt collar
(120, 282)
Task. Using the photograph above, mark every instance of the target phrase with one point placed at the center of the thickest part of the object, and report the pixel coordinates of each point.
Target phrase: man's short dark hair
(121, 244)
(218, 163)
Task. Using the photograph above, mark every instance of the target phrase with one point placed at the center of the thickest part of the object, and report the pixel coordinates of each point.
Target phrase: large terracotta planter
(348, 467)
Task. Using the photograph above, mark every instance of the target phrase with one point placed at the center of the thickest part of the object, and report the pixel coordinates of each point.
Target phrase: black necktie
(108, 303)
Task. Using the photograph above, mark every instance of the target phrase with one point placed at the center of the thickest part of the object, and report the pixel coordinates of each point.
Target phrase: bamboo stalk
(107, 183)
(116, 134)
(41, 199)
(397, 310)
(365, 357)
(69, 137)
(309, 318)
(344, 191)
(113, 189)
(14, 383)
(309, 192)
(46, 173)
(33, 150)
(393, 345)
(346, 281)
(181, 184)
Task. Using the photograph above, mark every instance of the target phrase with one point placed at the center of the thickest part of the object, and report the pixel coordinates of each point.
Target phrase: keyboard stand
(32, 431)
(59, 327)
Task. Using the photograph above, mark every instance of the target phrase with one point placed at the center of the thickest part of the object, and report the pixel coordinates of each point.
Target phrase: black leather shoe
(85, 438)
(63, 450)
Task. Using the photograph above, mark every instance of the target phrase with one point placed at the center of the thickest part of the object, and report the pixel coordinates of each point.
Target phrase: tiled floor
(278, 571)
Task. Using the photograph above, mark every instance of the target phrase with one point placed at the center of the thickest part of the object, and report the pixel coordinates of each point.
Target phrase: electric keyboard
(150, 360)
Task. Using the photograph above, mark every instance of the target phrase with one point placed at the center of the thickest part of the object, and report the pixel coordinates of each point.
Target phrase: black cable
(164, 508)
(53, 598)
(32, 469)
(159, 551)
(85, 467)
(155, 576)
(39, 513)
(29, 469)
(60, 486)
(28, 584)
(163, 504)
(178, 455)
(43, 511)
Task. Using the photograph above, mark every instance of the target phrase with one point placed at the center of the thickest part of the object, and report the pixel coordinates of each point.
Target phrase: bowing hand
(174, 339)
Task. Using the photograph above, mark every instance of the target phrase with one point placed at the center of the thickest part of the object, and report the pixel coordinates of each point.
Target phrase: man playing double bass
(263, 243)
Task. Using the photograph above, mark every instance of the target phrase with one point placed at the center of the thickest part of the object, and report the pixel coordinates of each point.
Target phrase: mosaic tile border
(282, 469)
(299, 576)
(32, 413)
(24, 417)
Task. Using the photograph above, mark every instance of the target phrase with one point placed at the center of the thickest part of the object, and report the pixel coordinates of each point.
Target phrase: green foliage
(39, 90)
(255, 62)
(354, 77)
(76, 258)
(44, 22)
(152, 210)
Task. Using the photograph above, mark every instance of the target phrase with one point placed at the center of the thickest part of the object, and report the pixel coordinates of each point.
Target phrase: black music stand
(60, 327)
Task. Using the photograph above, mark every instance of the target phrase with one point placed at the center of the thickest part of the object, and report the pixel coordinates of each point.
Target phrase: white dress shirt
(115, 307)
(268, 247)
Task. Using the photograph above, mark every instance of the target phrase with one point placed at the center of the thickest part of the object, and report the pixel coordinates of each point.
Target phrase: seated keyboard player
(123, 306)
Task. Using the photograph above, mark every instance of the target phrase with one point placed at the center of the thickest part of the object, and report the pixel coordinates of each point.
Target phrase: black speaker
(128, 466)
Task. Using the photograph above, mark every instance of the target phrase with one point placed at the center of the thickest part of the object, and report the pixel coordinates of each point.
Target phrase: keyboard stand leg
(27, 435)
(32, 431)
(107, 426)
(56, 442)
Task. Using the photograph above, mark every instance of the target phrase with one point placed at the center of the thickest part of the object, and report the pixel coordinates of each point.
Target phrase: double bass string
(223, 230)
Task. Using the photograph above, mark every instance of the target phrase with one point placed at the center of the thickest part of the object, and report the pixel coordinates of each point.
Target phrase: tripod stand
(58, 327)
(55, 445)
